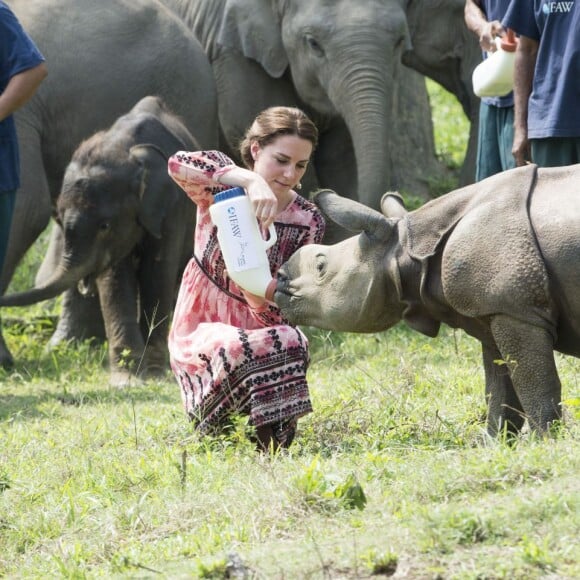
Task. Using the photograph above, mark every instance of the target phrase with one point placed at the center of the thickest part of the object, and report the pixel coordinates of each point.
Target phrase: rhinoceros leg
(528, 351)
(504, 409)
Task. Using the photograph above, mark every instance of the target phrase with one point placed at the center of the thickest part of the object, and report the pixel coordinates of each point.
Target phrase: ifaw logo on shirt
(555, 7)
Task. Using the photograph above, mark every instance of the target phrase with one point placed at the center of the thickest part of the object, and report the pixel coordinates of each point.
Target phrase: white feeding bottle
(241, 243)
(494, 77)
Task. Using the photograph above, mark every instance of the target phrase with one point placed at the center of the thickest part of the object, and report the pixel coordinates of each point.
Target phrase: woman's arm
(202, 173)
(263, 199)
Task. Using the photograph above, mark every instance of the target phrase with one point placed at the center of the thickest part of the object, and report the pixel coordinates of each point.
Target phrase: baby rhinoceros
(499, 259)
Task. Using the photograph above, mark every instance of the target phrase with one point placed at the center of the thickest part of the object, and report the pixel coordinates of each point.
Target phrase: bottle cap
(509, 42)
(229, 194)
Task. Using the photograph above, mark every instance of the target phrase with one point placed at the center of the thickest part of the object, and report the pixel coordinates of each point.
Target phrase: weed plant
(392, 475)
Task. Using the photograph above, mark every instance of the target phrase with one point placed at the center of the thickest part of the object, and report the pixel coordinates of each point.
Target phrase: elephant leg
(80, 319)
(467, 174)
(528, 352)
(335, 160)
(504, 410)
(157, 282)
(118, 296)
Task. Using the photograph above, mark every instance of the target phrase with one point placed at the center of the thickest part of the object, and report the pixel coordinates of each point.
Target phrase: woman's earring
(298, 186)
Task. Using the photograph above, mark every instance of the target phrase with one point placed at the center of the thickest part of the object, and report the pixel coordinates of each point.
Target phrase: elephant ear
(157, 191)
(252, 28)
(353, 216)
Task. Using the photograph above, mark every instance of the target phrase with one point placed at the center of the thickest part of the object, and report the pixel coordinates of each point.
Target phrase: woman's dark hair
(274, 122)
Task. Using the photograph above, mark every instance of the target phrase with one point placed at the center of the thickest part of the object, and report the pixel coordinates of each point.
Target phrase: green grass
(392, 470)
(392, 473)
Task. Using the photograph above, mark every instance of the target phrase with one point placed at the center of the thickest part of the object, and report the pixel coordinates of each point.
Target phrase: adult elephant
(443, 49)
(341, 62)
(126, 234)
(103, 57)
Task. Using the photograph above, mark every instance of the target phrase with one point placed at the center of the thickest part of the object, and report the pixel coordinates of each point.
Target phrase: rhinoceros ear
(352, 215)
(393, 205)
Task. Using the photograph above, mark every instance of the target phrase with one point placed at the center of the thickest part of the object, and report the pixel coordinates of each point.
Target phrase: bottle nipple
(509, 42)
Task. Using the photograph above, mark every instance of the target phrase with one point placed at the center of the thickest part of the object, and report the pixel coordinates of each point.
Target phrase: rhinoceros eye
(321, 264)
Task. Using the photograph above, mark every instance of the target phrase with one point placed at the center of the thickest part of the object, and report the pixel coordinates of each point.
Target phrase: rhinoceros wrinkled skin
(499, 259)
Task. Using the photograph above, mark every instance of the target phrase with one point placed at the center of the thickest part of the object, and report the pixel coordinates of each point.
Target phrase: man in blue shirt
(22, 69)
(496, 114)
(546, 81)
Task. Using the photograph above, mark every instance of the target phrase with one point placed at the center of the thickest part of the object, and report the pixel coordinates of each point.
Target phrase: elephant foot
(121, 379)
(64, 336)
(154, 371)
(156, 363)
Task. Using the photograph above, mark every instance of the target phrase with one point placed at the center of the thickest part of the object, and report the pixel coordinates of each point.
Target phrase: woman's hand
(263, 200)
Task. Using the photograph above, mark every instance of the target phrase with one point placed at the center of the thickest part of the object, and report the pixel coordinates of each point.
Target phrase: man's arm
(477, 22)
(20, 88)
(525, 64)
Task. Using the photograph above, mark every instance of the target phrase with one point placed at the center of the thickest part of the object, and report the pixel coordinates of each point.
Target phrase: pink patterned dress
(228, 357)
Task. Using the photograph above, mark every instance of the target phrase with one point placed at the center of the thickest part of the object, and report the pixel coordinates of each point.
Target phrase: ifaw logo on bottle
(241, 258)
(234, 222)
(557, 7)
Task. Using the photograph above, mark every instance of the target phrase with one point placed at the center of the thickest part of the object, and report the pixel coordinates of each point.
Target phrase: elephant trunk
(62, 280)
(365, 101)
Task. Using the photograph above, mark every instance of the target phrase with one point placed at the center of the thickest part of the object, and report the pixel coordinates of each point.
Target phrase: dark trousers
(495, 141)
(555, 151)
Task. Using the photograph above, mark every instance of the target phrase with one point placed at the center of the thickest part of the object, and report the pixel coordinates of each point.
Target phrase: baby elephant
(125, 232)
(499, 259)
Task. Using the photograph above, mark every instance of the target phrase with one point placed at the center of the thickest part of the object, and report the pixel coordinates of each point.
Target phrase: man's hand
(489, 32)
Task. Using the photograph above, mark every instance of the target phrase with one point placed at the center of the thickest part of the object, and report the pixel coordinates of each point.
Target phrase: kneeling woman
(231, 352)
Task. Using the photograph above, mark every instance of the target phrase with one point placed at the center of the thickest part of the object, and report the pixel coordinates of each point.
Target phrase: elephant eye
(314, 45)
(321, 264)
(104, 226)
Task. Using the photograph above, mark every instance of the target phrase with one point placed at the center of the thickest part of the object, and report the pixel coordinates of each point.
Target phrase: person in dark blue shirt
(496, 114)
(22, 69)
(546, 81)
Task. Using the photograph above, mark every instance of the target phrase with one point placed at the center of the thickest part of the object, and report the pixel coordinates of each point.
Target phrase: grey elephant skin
(498, 259)
(127, 232)
(341, 62)
(445, 50)
(103, 57)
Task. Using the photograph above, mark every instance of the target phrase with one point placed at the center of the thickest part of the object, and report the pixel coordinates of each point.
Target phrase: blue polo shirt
(17, 54)
(554, 105)
(495, 10)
